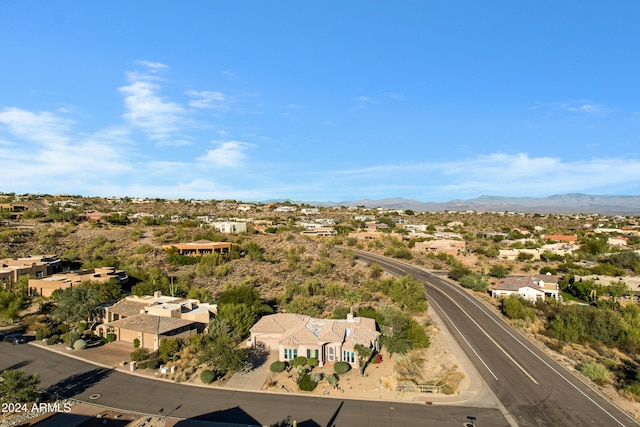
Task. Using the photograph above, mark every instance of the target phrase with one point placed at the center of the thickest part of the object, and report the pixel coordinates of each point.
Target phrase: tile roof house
(533, 287)
(327, 340)
(151, 319)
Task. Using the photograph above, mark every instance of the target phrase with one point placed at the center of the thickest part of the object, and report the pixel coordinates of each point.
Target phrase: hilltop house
(532, 288)
(46, 285)
(327, 340)
(200, 247)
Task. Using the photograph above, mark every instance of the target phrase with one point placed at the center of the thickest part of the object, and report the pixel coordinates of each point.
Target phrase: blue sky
(320, 101)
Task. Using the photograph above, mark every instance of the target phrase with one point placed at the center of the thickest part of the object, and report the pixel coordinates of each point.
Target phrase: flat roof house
(200, 247)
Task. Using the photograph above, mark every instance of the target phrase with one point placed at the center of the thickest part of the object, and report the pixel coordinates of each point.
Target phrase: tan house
(533, 287)
(374, 235)
(153, 318)
(447, 246)
(327, 340)
(319, 232)
(200, 247)
(39, 266)
(45, 286)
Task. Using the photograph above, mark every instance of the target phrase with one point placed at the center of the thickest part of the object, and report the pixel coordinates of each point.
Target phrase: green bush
(43, 333)
(139, 354)
(316, 377)
(111, 337)
(79, 345)
(142, 365)
(63, 328)
(278, 366)
(299, 361)
(136, 343)
(152, 363)
(633, 388)
(312, 362)
(207, 376)
(596, 372)
(306, 383)
(341, 368)
(52, 339)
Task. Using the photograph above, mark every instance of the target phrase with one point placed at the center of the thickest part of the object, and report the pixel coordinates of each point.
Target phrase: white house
(534, 287)
(230, 226)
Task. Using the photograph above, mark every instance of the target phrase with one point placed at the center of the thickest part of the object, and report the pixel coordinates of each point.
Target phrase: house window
(312, 353)
(348, 356)
(290, 353)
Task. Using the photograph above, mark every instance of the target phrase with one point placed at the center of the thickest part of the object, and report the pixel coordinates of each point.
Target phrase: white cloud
(206, 99)
(577, 106)
(145, 109)
(504, 174)
(154, 66)
(227, 154)
(42, 127)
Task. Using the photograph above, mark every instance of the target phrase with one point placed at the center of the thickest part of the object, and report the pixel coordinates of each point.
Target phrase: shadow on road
(18, 365)
(237, 416)
(76, 384)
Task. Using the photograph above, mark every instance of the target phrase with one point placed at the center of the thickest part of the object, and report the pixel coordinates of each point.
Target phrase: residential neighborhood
(217, 293)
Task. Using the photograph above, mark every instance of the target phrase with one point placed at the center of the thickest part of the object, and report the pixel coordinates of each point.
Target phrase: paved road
(73, 378)
(534, 389)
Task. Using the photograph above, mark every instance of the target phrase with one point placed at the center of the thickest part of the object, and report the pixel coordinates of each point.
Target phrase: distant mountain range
(561, 204)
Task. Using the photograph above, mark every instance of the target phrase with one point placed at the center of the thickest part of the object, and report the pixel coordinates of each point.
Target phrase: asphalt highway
(67, 377)
(534, 388)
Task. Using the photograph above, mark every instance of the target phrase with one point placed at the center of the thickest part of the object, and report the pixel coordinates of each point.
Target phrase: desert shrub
(312, 362)
(63, 328)
(111, 337)
(142, 365)
(448, 389)
(513, 308)
(299, 361)
(634, 388)
(332, 379)
(152, 363)
(52, 339)
(139, 354)
(316, 377)
(278, 366)
(43, 333)
(596, 372)
(207, 376)
(79, 345)
(306, 383)
(341, 368)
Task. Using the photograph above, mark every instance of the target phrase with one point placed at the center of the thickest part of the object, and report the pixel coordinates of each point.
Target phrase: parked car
(15, 339)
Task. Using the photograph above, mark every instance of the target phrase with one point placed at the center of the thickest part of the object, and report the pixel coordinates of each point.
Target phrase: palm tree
(364, 354)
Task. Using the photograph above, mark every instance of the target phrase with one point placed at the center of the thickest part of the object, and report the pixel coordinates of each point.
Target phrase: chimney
(157, 294)
(350, 318)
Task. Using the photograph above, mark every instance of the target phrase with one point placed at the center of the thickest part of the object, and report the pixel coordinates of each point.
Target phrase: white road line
(465, 340)
(532, 352)
(488, 336)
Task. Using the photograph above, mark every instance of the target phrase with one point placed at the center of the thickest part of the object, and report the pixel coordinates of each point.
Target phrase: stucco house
(327, 340)
(200, 247)
(154, 318)
(532, 288)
